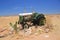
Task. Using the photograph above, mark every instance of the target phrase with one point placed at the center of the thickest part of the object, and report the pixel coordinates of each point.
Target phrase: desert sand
(50, 19)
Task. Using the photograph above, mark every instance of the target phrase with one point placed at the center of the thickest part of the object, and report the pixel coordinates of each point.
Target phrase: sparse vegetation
(14, 26)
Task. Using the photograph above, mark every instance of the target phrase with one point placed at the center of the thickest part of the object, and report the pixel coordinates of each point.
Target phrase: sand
(51, 19)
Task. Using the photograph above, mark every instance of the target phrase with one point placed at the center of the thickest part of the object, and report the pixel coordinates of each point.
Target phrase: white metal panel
(23, 14)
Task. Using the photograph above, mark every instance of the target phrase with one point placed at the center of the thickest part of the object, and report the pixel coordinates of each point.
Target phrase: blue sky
(14, 7)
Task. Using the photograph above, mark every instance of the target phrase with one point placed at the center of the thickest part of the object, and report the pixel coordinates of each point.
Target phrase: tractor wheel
(26, 26)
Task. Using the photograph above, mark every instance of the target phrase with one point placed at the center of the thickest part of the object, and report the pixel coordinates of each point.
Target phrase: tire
(26, 26)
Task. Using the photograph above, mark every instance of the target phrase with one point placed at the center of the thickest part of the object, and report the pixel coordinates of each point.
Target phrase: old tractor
(27, 20)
